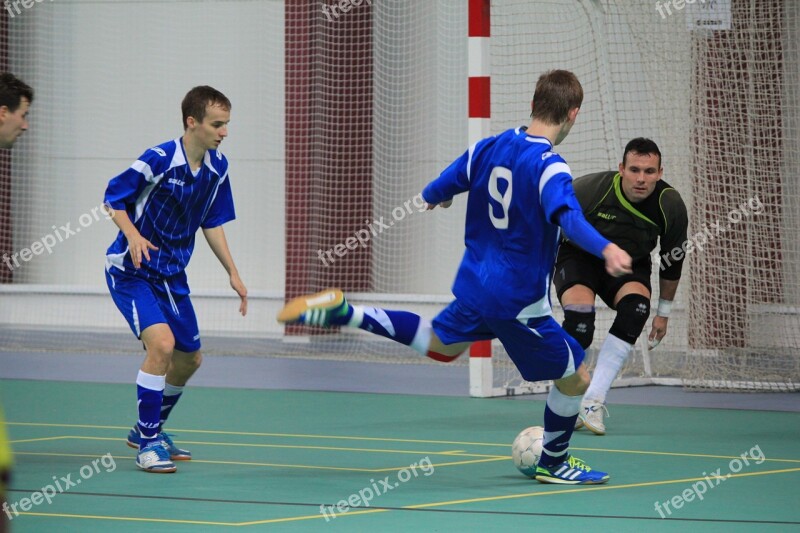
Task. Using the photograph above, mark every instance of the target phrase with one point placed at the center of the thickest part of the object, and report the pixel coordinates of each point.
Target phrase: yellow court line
(258, 434)
(677, 454)
(60, 437)
(390, 439)
(593, 488)
(285, 446)
(282, 465)
(309, 517)
(416, 506)
(129, 519)
(450, 453)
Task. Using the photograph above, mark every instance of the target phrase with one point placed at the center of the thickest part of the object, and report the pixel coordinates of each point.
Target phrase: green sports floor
(267, 460)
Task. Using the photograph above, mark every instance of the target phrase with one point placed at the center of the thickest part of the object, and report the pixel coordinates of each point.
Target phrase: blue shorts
(143, 304)
(540, 349)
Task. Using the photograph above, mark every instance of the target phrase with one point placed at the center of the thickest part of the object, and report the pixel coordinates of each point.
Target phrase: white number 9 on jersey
(504, 199)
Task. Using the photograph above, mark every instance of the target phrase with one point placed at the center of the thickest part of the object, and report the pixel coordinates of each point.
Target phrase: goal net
(341, 116)
(716, 86)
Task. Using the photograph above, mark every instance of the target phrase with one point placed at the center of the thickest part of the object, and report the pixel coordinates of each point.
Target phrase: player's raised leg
(330, 308)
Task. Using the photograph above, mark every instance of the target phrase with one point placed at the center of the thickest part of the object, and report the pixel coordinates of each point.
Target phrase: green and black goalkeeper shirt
(636, 227)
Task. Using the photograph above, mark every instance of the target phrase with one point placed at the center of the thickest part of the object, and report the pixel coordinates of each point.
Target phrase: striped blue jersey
(517, 188)
(168, 204)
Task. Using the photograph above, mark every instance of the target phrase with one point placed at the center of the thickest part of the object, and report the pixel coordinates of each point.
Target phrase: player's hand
(618, 262)
(444, 205)
(658, 331)
(241, 290)
(140, 247)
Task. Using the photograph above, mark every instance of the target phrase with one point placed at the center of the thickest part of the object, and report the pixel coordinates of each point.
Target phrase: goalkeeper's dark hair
(642, 146)
(557, 91)
(195, 102)
(13, 90)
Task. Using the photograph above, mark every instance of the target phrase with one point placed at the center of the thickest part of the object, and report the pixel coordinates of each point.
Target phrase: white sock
(357, 318)
(172, 390)
(613, 355)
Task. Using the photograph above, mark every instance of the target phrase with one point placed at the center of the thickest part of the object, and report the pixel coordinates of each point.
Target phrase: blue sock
(560, 414)
(401, 326)
(150, 391)
(172, 394)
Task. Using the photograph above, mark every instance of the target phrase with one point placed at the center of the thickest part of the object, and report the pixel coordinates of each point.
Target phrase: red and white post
(480, 355)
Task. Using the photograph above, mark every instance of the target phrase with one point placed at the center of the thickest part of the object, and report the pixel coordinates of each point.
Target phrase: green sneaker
(325, 308)
(572, 471)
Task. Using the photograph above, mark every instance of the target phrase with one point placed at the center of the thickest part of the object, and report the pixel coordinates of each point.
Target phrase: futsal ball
(527, 449)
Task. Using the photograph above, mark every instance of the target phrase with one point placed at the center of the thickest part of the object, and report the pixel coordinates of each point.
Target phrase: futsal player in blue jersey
(520, 193)
(159, 203)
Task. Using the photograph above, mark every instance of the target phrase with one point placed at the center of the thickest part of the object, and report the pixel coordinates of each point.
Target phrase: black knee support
(579, 323)
(632, 313)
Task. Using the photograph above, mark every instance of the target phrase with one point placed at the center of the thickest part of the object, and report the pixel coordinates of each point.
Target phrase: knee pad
(632, 313)
(579, 323)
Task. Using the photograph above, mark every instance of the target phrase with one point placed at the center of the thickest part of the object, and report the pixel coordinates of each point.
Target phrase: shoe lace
(159, 449)
(594, 408)
(574, 462)
(166, 439)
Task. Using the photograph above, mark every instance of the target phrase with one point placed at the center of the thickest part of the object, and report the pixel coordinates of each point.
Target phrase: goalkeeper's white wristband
(664, 307)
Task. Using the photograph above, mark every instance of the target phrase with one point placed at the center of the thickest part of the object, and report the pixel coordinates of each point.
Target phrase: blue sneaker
(175, 453)
(320, 309)
(573, 471)
(155, 458)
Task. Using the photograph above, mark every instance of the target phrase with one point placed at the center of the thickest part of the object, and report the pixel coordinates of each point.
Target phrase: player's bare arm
(137, 245)
(667, 289)
(219, 245)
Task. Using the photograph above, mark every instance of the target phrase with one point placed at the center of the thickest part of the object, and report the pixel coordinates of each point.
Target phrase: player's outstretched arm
(581, 233)
(219, 245)
(138, 246)
(444, 205)
(618, 262)
(452, 181)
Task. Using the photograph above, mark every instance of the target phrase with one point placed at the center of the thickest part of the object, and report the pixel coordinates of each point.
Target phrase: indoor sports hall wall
(723, 105)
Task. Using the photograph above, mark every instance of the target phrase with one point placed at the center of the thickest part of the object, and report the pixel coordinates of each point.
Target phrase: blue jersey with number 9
(517, 188)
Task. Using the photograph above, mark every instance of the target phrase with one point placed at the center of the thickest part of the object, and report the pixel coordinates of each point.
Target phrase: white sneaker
(155, 458)
(592, 415)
